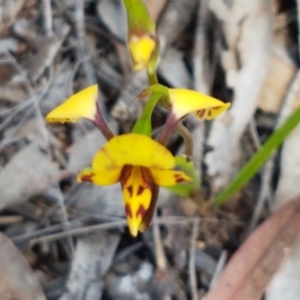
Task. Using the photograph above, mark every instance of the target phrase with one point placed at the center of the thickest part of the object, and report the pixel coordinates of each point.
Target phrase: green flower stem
(152, 77)
(259, 158)
(187, 137)
(151, 68)
(144, 125)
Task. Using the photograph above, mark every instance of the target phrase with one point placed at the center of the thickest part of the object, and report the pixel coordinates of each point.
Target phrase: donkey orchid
(138, 163)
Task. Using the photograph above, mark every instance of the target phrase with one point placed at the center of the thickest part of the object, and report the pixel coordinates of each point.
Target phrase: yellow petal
(141, 49)
(80, 105)
(107, 177)
(133, 149)
(168, 177)
(136, 189)
(188, 101)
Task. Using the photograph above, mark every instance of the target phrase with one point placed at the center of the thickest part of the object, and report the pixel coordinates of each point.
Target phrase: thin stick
(33, 98)
(47, 14)
(265, 193)
(298, 12)
(188, 139)
(83, 55)
(192, 264)
(76, 67)
(81, 49)
(161, 261)
(219, 268)
(67, 231)
(200, 57)
(79, 231)
(65, 217)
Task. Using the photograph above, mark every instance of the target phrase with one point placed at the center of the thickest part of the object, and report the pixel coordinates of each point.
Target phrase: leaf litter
(74, 244)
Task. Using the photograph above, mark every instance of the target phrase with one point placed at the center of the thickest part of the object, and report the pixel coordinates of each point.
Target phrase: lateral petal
(80, 105)
(103, 177)
(168, 177)
(203, 106)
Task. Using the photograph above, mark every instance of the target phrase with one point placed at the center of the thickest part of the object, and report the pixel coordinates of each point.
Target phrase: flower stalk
(101, 124)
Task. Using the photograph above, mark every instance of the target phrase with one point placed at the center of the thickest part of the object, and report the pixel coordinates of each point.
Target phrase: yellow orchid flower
(83, 104)
(141, 49)
(204, 107)
(140, 164)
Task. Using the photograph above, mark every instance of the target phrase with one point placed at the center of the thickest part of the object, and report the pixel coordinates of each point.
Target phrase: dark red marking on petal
(87, 177)
(179, 178)
(140, 190)
(146, 220)
(130, 190)
(200, 113)
(128, 211)
(141, 211)
(216, 108)
(126, 172)
(147, 179)
(209, 113)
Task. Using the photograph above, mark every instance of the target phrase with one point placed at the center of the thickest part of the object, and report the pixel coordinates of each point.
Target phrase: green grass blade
(259, 158)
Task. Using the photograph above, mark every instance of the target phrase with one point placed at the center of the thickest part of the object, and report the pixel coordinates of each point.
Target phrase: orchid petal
(132, 149)
(188, 101)
(136, 189)
(168, 177)
(80, 105)
(107, 177)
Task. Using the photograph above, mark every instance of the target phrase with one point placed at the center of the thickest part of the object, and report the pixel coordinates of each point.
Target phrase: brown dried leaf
(279, 77)
(17, 280)
(251, 268)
